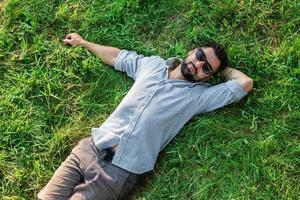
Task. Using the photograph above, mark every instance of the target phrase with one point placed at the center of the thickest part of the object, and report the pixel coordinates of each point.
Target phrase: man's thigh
(70, 173)
(103, 180)
(86, 175)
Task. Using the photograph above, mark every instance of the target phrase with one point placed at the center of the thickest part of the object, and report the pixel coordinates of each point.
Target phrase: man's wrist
(83, 43)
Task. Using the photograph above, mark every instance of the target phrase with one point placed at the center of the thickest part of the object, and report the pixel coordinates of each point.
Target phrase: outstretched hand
(73, 39)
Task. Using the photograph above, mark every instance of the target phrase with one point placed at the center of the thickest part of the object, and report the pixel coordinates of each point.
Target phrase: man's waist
(114, 148)
(110, 153)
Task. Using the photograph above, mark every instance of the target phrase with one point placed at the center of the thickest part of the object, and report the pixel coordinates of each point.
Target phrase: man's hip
(89, 174)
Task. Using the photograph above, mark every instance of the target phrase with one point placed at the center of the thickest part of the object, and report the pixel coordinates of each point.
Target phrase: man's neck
(175, 73)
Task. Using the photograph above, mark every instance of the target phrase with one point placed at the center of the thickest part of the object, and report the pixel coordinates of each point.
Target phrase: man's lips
(192, 68)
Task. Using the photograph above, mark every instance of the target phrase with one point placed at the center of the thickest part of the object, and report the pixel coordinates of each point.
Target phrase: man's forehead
(211, 57)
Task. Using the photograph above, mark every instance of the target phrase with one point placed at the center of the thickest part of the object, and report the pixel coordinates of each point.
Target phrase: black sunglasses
(207, 69)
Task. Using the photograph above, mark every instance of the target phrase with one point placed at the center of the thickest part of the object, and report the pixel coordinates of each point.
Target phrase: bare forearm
(106, 53)
(233, 74)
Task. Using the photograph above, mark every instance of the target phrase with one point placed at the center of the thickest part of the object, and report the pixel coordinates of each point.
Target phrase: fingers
(73, 39)
(67, 41)
(69, 36)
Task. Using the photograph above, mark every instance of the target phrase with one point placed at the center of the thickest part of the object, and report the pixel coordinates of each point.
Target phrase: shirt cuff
(118, 63)
(238, 91)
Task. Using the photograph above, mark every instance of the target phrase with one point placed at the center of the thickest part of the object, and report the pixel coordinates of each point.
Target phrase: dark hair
(220, 53)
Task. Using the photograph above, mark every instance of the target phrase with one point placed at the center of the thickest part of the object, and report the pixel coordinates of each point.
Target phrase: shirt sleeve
(217, 96)
(131, 63)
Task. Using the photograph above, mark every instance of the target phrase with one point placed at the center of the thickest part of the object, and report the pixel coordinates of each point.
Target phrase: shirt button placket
(139, 109)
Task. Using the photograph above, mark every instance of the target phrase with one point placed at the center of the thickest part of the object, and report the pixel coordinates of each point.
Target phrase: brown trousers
(86, 174)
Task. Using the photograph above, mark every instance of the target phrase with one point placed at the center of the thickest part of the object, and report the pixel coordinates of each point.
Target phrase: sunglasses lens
(200, 55)
(206, 69)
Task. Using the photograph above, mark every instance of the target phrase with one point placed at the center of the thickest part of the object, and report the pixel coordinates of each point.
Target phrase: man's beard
(187, 74)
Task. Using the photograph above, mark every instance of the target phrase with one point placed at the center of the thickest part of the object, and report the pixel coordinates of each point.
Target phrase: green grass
(51, 95)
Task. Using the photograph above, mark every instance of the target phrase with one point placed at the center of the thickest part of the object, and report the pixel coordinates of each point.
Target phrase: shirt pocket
(171, 102)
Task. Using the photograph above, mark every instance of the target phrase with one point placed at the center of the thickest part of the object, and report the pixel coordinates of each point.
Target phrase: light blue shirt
(155, 109)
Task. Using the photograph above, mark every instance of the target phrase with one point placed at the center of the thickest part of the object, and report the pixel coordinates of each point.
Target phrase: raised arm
(233, 74)
(106, 53)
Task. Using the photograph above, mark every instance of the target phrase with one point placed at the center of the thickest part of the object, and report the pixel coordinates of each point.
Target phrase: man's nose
(199, 63)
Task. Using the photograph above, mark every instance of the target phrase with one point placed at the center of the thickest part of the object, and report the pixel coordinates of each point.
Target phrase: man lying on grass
(163, 98)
